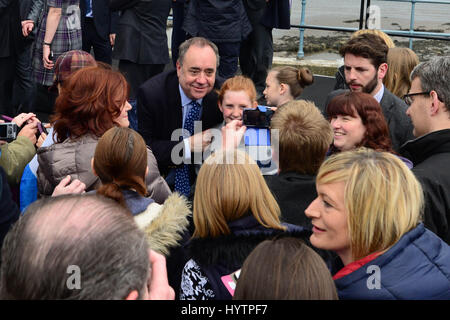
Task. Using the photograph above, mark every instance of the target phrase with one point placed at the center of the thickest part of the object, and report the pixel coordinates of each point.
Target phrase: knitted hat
(71, 61)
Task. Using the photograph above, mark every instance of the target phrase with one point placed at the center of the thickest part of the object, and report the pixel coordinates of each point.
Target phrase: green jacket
(15, 156)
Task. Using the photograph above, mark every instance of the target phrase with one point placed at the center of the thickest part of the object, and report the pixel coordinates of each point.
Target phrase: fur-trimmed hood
(165, 224)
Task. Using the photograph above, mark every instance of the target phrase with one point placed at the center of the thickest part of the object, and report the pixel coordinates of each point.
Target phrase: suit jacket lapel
(174, 101)
(386, 105)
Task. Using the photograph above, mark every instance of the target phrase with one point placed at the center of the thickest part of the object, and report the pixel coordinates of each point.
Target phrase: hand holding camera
(29, 131)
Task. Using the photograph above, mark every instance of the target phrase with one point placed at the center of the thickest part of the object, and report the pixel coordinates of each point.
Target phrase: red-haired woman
(358, 121)
(91, 101)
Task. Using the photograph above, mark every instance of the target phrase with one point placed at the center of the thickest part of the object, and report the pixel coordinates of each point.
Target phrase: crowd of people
(141, 183)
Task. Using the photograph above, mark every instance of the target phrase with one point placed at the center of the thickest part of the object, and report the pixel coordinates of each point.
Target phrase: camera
(258, 117)
(8, 131)
(257, 137)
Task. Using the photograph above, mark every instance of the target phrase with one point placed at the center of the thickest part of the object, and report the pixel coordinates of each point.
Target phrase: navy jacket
(416, 267)
(217, 20)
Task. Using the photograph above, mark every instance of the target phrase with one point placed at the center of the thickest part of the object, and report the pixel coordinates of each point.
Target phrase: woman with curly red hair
(91, 101)
(358, 121)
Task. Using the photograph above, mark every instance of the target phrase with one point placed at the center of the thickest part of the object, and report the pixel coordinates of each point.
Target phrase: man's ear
(133, 295)
(382, 70)
(435, 103)
(255, 104)
(92, 167)
(178, 67)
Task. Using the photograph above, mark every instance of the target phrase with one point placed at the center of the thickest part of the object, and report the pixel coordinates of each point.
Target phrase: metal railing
(363, 22)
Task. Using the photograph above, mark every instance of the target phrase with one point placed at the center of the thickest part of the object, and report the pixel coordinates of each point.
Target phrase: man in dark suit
(165, 104)
(256, 52)
(365, 65)
(178, 34)
(99, 27)
(141, 44)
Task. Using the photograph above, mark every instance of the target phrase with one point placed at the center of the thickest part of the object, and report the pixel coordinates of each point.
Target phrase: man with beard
(365, 65)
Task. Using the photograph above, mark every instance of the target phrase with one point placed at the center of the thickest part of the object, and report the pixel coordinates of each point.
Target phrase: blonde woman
(230, 221)
(401, 62)
(368, 211)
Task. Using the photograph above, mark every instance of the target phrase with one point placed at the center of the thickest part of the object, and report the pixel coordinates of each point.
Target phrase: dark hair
(90, 232)
(296, 273)
(89, 101)
(120, 161)
(369, 46)
(369, 110)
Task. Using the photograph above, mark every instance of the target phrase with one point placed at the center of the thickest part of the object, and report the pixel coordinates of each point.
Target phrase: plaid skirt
(67, 37)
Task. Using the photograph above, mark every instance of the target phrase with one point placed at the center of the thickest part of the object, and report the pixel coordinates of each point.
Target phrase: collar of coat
(246, 234)
(420, 149)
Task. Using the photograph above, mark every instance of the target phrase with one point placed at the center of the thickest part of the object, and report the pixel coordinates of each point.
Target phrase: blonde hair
(401, 61)
(376, 32)
(230, 186)
(383, 198)
(295, 79)
(304, 136)
(238, 83)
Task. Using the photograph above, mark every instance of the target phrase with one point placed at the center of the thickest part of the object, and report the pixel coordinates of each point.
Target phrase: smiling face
(233, 105)
(361, 75)
(329, 218)
(197, 73)
(348, 131)
(122, 119)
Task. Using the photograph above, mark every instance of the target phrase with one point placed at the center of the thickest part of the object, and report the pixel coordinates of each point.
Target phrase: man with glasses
(429, 109)
(365, 66)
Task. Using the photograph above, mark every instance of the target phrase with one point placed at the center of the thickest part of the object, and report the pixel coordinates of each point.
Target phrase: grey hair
(88, 231)
(435, 75)
(199, 42)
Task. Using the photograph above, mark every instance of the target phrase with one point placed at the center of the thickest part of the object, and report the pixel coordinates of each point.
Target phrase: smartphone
(258, 117)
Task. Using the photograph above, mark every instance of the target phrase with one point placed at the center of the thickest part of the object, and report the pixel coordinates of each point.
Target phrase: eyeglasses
(407, 97)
